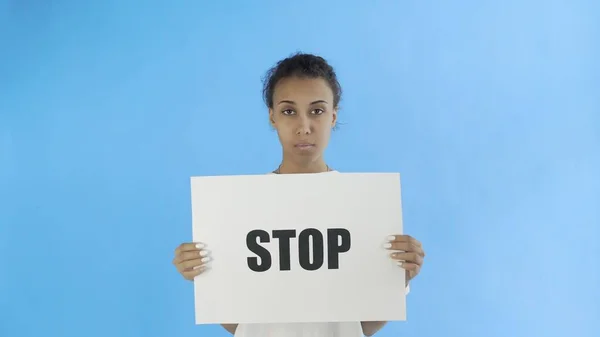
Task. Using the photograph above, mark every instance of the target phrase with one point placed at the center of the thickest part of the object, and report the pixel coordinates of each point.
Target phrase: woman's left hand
(408, 252)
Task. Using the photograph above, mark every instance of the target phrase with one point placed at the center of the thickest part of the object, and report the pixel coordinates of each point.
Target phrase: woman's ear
(334, 119)
(271, 118)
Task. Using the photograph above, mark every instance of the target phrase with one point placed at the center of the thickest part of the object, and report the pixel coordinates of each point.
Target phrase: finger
(189, 275)
(189, 246)
(404, 247)
(408, 257)
(404, 238)
(191, 264)
(412, 268)
(190, 255)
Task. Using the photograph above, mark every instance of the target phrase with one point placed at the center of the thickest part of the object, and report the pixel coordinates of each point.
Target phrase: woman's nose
(303, 126)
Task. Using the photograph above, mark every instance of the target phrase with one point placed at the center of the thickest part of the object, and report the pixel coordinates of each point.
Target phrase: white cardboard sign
(298, 248)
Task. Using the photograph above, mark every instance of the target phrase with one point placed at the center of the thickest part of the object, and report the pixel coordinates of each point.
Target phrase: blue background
(489, 109)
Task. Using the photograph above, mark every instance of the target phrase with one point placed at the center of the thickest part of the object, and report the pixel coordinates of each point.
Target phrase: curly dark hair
(304, 66)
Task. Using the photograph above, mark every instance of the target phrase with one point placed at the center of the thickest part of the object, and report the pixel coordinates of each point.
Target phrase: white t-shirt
(334, 329)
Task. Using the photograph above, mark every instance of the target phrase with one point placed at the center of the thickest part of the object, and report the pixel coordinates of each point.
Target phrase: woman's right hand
(191, 259)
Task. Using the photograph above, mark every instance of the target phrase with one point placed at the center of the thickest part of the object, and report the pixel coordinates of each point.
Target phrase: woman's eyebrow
(292, 102)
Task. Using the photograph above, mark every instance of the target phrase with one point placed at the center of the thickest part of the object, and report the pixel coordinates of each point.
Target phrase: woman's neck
(289, 167)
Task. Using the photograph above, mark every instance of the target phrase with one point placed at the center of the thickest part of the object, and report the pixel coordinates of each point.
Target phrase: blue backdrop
(489, 109)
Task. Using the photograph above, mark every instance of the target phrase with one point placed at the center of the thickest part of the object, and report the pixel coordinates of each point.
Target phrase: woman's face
(303, 115)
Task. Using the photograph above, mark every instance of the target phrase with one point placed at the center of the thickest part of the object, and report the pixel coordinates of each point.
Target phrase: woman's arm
(230, 327)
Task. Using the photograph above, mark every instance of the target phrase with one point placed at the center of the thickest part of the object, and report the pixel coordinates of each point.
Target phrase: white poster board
(357, 280)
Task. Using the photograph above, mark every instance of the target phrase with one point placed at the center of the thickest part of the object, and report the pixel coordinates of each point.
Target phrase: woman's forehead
(295, 88)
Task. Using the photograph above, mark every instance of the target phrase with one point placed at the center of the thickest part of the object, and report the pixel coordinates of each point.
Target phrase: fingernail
(199, 245)
(206, 259)
(399, 263)
(387, 245)
(394, 254)
(391, 238)
(203, 253)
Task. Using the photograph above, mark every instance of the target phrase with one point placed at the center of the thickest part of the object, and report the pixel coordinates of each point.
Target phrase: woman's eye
(318, 111)
(288, 112)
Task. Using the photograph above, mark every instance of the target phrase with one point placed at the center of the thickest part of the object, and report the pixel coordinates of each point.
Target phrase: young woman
(302, 93)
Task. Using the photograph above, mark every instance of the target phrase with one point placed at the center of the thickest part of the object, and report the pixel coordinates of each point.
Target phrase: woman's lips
(304, 146)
